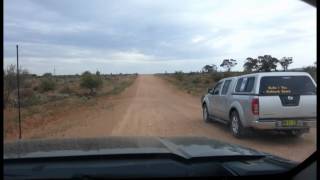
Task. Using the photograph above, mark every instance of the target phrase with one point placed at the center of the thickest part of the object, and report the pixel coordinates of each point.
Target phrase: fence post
(18, 85)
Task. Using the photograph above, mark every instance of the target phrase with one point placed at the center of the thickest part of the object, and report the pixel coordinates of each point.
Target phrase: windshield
(82, 69)
(275, 85)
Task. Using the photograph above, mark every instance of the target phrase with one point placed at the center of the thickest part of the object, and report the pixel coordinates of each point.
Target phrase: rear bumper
(276, 124)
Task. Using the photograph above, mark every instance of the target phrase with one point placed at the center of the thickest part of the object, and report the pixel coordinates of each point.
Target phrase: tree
(285, 62)
(228, 64)
(267, 63)
(24, 78)
(209, 68)
(10, 80)
(251, 65)
(10, 77)
(47, 75)
(206, 68)
(312, 70)
(214, 68)
(90, 81)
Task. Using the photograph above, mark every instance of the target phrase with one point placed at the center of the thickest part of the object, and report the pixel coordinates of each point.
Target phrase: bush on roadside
(30, 101)
(35, 88)
(27, 98)
(91, 82)
(217, 76)
(26, 92)
(66, 90)
(10, 82)
(47, 84)
(27, 84)
(196, 80)
(178, 75)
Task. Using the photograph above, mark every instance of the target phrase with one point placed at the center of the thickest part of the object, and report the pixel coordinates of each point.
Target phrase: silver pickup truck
(281, 101)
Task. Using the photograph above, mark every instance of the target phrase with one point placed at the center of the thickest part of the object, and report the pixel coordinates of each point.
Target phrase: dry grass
(196, 83)
(61, 100)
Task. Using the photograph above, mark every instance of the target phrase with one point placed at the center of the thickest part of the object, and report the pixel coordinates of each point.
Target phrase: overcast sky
(149, 36)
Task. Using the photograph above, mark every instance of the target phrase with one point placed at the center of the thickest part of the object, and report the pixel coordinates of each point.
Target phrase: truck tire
(235, 125)
(205, 114)
(294, 133)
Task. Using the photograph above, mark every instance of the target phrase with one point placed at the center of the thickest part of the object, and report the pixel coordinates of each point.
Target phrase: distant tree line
(264, 63)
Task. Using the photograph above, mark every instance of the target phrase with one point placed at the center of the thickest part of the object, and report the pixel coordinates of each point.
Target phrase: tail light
(255, 106)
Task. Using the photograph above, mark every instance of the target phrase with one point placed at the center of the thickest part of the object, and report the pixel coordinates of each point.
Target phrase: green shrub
(196, 80)
(90, 81)
(66, 90)
(179, 75)
(217, 76)
(47, 84)
(47, 75)
(26, 92)
(28, 100)
(27, 84)
(35, 88)
(33, 100)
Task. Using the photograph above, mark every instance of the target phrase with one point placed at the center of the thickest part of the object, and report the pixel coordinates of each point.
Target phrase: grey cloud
(75, 30)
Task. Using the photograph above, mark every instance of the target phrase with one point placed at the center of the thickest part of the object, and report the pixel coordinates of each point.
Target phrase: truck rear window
(275, 85)
(245, 84)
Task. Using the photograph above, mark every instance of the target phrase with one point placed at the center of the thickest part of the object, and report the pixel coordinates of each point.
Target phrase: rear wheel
(205, 114)
(236, 127)
(294, 133)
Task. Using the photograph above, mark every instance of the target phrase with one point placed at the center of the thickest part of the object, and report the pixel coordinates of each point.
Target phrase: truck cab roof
(261, 74)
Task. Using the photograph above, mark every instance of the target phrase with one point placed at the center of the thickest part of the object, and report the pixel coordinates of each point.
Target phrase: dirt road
(153, 107)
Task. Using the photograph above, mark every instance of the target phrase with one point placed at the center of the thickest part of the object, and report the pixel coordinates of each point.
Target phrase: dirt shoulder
(46, 119)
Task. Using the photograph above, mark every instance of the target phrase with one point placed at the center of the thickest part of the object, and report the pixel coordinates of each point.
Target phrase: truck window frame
(227, 88)
(214, 89)
(241, 88)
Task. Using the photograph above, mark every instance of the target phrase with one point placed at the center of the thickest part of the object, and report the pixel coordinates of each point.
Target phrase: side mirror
(209, 90)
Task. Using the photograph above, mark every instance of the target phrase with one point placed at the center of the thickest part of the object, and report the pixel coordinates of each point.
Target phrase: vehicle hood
(186, 147)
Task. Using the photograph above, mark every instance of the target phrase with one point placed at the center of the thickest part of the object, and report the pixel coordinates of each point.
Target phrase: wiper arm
(174, 148)
(182, 154)
(227, 158)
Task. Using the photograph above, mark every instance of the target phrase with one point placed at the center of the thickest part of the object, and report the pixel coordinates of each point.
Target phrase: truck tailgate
(273, 107)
